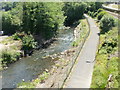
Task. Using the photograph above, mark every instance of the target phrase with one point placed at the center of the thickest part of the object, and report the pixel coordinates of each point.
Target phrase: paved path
(81, 74)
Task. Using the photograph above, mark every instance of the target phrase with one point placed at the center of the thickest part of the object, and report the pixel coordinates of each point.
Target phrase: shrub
(95, 14)
(101, 14)
(28, 42)
(25, 85)
(106, 23)
(89, 13)
(8, 57)
(75, 44)
(92, 14)
(100, 10)
(18, 36)
(15, 36)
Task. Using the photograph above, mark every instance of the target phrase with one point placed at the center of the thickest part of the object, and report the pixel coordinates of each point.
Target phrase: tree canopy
(43, 18)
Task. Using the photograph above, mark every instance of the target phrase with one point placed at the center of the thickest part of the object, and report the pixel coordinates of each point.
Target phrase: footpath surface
(81, 74)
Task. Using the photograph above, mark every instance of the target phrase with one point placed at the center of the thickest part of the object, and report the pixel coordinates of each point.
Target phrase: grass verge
(81, 31)
(107, 61)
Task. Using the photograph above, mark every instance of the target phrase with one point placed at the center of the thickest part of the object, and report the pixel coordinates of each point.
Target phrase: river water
(30, 67)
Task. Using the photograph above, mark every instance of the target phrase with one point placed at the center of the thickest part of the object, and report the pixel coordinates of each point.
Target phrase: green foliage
(103, 69)
(12, 19)
(83, 30)
(106, 23)
(18, 35)
(25, 85)
(74, 44)
(32, 84)
(106, 60)
(8, 57)
(15, 36)
(93, 6)
(74, 11)
(95, 14)
(100, 10)
(42, 18)
(34, 17)
(110, 44)
(92, 14)
(8, 5)
(43, 76)
(28, 42)
(101, 14)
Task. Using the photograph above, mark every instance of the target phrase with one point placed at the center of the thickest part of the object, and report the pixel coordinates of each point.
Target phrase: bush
(95, 14)
(100, 10)
(101, 14)
(92, 14)
(106, 23)
(18, 36)
(8, 57)
(106, 60)
(28, 42)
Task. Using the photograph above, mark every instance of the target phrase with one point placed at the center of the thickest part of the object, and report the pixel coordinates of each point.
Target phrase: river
(30, 67)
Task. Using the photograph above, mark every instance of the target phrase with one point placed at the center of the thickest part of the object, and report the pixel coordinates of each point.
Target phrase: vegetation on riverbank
(106, 61)
(32, 84)
(80, 32)
(10, 52)
(16, 46)
(107, 56)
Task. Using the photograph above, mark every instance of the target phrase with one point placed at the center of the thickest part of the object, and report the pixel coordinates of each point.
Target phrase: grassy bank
(80, 32)
(105, 74)
(106, 61)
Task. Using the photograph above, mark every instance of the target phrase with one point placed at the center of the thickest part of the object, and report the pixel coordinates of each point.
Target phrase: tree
(42, 18)
(12, 19)
(106, 23)
(8, 5)
(74, 11)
